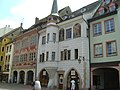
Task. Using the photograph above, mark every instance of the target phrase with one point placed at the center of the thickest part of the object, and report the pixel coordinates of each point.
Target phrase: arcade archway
(73, 75)
(15, 74)
(106, 79)
(22, 76)
(44, 78)
(30, 75)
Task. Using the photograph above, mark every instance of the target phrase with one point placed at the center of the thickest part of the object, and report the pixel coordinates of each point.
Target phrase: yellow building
(0, 62)
(6, 45)
(3, 58)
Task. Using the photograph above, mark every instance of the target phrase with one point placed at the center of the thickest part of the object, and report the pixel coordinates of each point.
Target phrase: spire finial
(54, 7)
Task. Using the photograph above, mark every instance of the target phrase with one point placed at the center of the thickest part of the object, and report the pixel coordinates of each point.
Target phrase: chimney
(36, 20)
(21, 24)
(9, 26)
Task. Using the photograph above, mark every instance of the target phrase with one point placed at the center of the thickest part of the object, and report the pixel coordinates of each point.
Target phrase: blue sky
(5, 6)
(13, 12)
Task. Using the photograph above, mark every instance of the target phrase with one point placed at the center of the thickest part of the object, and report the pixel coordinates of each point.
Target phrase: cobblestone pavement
(6, 86)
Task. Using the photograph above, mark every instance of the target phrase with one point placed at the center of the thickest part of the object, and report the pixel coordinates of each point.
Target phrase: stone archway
(106, 78)
(30, 75)
(15, 74)
(44, 78)
(22, 77)
(73, 75)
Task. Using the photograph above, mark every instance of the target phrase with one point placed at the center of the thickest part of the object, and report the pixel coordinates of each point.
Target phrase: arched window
(77, 30)
(61, 34)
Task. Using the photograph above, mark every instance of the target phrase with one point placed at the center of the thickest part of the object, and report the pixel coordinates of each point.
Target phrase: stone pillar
(51, 71)
(34, 75)
(25, 79)
(119, 75)
(91, 79)
(18, 77)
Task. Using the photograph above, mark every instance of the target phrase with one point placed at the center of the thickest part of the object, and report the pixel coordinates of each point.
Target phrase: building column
(18, 77)
(25, 79)
(51, 71)
(34, 75)
(91, 79)
(119, 75)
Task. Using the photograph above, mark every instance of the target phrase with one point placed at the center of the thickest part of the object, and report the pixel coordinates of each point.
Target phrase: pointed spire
(54, 7)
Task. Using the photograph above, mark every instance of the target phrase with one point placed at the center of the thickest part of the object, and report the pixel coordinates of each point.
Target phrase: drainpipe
(89, 51)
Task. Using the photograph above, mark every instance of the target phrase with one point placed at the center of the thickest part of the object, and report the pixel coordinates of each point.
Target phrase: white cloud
(27, 10)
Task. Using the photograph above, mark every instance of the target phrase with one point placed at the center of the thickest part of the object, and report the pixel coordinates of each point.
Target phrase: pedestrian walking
(37, 85)
(73, 85)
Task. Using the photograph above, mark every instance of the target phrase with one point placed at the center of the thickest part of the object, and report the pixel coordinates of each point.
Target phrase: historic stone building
(63, 49)
(105, 46)
(24, 58)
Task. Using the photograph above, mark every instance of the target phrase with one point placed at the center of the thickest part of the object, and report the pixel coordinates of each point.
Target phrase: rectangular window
(111, 48)
(48, 37)
(97, 29)
(25, 57)
(54, 37)
(69, 54)
(7, 49)
(109, 25)
(47, 55)
(10, 48)
(43, 39)
(33, 40)
(8, 58)
(68, 33)
(112, 8)
(43, 57)
(76, 53)
(40, 58)
(34, 56)
(1, 58)
(65, 54)
(98, 50)
(62, 55)
(53, 56)
(2, 49)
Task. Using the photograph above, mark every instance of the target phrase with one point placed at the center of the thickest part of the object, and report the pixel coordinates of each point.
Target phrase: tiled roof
(86, 9)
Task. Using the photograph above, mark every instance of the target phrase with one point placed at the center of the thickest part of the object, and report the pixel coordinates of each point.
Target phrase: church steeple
(54, 8)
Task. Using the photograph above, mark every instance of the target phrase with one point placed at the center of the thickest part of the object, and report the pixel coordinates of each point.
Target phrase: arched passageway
(22, 76)
(106, 79)
(15, 74)
(44, 78)
(30, 75)
(73, 75)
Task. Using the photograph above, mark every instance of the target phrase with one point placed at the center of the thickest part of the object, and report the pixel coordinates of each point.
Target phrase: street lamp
(81, 59)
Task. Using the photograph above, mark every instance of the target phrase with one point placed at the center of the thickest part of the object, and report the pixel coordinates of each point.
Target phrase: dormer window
(112, 7)
(107, 1)
(101, 11)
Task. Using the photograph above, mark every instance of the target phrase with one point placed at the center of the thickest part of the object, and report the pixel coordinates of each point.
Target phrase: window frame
(43, 40)
(106, 32)
(54, 37)
(68, 33)
(53, 56)
(76, 53)
(112, 7)
(97, 34)
(97, 55)
(108, 55)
